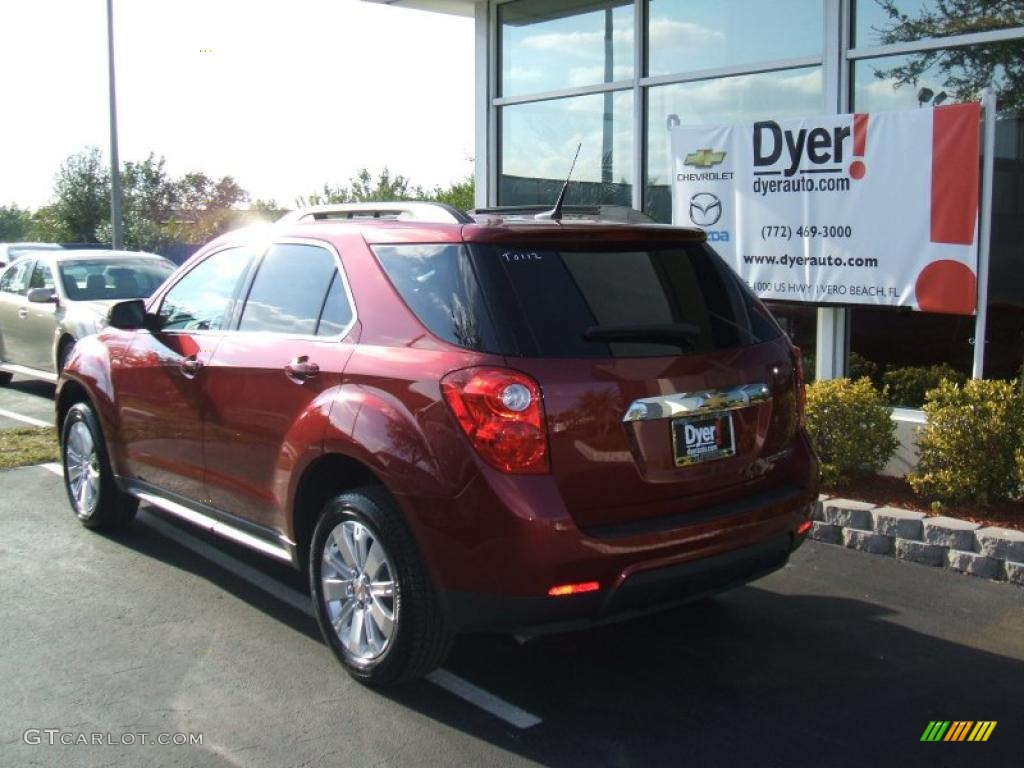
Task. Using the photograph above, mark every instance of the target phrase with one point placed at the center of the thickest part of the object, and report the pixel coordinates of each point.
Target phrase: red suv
(452, 423)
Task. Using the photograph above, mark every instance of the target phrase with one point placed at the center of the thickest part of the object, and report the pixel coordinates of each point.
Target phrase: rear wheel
(5, 378)
(374, 601)
(88, 479)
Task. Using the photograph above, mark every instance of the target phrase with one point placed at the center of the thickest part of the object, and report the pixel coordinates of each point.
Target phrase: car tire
(382, 634)
(88, 479)
(5, 378)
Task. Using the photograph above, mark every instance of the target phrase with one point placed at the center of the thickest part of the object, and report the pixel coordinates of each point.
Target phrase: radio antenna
(555, 214)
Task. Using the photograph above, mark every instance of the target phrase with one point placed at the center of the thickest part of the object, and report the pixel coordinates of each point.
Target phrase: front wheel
(88, 479)
(374, 601)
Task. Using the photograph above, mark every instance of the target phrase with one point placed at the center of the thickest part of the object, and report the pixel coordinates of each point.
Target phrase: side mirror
(128, 315)
(42, 296)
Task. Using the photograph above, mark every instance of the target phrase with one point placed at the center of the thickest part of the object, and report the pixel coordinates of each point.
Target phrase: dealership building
(552, 74)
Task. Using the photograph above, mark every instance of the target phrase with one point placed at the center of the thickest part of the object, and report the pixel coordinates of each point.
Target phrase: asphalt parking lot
(26, 402)
(840, 659)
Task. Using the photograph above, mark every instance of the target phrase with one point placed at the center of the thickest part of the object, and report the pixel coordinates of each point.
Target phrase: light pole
(116, 225)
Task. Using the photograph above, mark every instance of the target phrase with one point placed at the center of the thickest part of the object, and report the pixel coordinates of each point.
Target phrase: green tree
(964, 71)
(15, 223)
(81, 198)
(461, 194)
(364, 187)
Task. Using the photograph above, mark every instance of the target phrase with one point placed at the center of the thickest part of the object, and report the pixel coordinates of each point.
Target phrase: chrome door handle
(23, 313)
(190, 366)
(301, 369)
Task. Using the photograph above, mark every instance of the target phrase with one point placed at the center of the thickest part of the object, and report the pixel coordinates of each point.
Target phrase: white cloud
(667, 33)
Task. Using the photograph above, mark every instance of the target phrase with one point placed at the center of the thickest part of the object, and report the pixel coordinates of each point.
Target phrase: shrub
(859, 367)
(851, 428)
(908, 386)
(971, 444)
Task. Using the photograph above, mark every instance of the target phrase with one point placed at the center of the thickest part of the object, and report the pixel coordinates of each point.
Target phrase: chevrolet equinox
(452, 422)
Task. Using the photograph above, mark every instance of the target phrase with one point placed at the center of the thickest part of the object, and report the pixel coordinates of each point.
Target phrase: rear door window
(289, 290)
(625, 304)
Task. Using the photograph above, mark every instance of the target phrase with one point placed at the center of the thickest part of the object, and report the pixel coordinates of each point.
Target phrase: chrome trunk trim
(694, 403)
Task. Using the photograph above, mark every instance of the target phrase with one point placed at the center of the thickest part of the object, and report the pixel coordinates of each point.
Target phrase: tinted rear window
(560, 298)
(544, 303)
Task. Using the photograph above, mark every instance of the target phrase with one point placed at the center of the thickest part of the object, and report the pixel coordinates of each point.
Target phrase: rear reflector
(573, 589)
(803, 528)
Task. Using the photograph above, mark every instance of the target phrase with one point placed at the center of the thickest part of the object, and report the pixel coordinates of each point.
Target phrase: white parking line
(488, 702)
(243, 571)
(442, 678)
(27, 419)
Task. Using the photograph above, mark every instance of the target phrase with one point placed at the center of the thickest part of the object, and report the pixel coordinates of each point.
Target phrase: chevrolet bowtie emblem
(704, 158)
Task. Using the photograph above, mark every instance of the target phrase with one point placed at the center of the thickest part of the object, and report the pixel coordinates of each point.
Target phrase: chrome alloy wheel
(358, 586)
(82, 468)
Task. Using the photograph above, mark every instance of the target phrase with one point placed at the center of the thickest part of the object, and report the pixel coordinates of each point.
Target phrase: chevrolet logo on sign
(704, 158)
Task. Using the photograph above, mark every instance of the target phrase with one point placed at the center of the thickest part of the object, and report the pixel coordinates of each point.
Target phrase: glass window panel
(690, 35)
(745, 98)
(202, 299)
(883, 22)
(42, 277)
(337, 312)
(947, 76)
(15, 279)
(800, 322)
(289, 290)
(551, 44)
(441, 288)
(538, 142)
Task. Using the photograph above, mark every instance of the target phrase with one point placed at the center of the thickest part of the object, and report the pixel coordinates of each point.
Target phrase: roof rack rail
(399, 210)
(620, 214)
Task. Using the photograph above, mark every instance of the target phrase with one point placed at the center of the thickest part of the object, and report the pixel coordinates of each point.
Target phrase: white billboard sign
(877, 208)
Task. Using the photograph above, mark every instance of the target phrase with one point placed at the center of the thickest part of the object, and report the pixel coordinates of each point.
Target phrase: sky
(283, 96)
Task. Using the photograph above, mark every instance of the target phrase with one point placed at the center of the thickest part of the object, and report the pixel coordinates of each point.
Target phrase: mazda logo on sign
(705, 209)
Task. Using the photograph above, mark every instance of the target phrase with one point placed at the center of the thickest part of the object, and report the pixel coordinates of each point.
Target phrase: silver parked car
(51, 299)
(11, 251)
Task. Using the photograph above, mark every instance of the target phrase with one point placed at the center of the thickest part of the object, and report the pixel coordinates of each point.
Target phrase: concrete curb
(940, 542)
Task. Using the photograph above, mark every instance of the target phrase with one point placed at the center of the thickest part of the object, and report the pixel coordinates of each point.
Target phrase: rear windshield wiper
(665, 333)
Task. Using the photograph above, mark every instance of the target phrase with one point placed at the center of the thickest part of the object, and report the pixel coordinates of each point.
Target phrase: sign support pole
(988, 152)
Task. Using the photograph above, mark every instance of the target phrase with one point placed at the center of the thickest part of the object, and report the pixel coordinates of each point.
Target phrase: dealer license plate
(703, 438)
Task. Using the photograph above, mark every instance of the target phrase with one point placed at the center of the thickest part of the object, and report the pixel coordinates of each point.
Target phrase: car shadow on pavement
(147, 541)
(748, 678)
(33, 387)
(751, 677)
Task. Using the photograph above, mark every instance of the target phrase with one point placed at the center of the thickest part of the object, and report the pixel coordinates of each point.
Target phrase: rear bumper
(642, 592)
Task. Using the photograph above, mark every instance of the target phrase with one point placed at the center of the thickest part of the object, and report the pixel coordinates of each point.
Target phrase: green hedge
(851, 428)
(972, 444)
(908, 386)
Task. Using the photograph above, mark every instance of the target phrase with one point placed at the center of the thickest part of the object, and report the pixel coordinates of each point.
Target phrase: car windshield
(101, 279)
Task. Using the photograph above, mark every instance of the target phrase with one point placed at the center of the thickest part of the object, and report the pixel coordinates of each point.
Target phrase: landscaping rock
(950, 532)
(830, 534)
(973, 563)
(901, 523)
(920, 552)
(847, 513)
(816, 514)
(1001, 543)
(867, 541)
(1014, 572)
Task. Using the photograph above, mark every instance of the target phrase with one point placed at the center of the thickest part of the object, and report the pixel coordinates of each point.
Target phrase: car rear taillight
(798, 382)
(502, 415)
